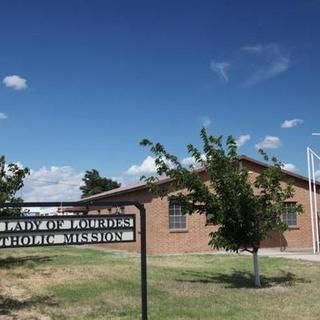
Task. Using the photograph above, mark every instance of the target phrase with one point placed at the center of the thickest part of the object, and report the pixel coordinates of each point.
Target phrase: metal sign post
(77, 230)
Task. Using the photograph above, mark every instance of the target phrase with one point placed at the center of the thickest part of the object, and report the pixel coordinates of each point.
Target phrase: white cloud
(206, 122)
(274, 62)
(290, 167)
(53, 184)
(242, 140)
(191, 161)
(317, 175)
(15, 82)
(147, 167)
(3, 116)
(9, 172)
(269, 142)
(220, 69)
(118, 179)
(291, 123)
(188, 161)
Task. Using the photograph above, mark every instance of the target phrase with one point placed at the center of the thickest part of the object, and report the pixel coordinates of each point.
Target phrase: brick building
(169, 231)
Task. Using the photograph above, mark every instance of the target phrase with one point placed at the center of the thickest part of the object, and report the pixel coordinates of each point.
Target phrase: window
(177, 220)
(289, 217)
(209, 217)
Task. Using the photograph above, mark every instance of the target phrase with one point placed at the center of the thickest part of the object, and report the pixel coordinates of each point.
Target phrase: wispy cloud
(15, 82)
(269, 142)
(220, 69)
(242, 140)
(291, 123)
(206, 122)
(3, 116)
(290, 167)
(274, 62)
(253, 49)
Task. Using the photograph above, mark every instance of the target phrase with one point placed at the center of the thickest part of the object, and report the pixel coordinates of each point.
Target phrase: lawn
(81, 283)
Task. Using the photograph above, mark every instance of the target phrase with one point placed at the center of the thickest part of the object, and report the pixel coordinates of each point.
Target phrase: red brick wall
(299, 237)
(196, 236)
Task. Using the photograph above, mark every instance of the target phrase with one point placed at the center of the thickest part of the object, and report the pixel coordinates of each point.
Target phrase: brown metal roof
(142, 185)
(265, 165)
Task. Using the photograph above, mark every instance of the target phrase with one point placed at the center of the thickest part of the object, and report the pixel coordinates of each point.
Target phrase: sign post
(77, 230)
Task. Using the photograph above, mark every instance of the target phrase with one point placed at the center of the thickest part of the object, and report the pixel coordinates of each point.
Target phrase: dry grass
(73, 283)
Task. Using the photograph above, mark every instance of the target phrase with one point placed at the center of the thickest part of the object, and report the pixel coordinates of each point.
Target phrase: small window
(209, 218)
(177, 220)
(289, 217)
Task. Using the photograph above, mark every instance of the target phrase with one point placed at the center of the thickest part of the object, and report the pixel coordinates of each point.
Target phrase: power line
(55, 182)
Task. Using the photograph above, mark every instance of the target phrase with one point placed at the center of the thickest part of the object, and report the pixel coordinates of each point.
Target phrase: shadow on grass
(241, 279)
(11, 262)
(9, 305)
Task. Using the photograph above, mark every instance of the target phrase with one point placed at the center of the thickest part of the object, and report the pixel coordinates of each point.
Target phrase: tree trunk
(257, 281)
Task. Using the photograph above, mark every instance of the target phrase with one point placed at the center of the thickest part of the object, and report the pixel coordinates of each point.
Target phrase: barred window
(177, 220)
(289, 217)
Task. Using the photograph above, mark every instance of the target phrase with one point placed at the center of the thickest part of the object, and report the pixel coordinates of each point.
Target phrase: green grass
(73, 283)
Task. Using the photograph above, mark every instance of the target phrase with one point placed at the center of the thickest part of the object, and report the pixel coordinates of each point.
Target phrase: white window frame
(177, 220)
(290, 218)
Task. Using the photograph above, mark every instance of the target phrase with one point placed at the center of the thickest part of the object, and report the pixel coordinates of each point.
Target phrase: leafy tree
(11, 180)
(245, 211)
(94, 183)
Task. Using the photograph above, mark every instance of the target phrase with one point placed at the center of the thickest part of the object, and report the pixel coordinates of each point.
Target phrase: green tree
(11, 180)
(94, 183)
(245, 211)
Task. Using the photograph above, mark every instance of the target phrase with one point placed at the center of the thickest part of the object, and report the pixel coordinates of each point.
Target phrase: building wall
(299, 237)
(161, 240)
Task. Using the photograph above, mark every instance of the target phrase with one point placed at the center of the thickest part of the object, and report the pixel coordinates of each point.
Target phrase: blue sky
(82, 82)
